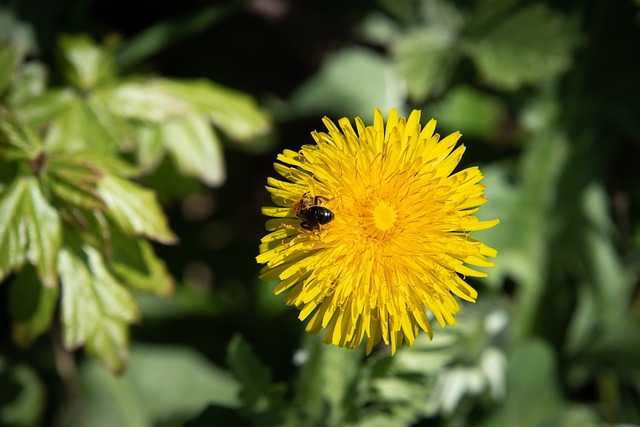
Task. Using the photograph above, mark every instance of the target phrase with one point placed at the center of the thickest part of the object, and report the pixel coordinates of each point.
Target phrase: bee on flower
(372, 230)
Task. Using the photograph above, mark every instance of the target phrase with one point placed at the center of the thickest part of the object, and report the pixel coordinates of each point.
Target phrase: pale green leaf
(25, 142)
(146, 101)
(235, 113)
(30, 230)
(32, 306)
(83, 127)
(96, 309)
(85, 63)
(529, 45)
(41, 110)
(351, 82)
(426, 59)
(135, 209)
(196, 149)
(29, 83)
(149, 147)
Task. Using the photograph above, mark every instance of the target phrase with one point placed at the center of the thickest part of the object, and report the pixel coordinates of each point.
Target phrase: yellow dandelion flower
(372, 229)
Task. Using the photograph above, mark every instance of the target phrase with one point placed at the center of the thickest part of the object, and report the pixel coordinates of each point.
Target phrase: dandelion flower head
(397, 244)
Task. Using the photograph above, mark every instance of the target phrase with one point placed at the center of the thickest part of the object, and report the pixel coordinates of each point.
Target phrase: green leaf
(39, 111)
(31, 305)
(426, 58)
(30, 230)
(74, 179)
(30, 82)
(196, 149)
(9, 57)
(96, 309)
(477, 114)
(135, 209)
(235, 113)
(21, 138)
(350, 82)
(23, 395)
(529, 45)
(146, 101)
(162, 385)
(85, 64)
(137, 265)
(149, 148)
(260, 397)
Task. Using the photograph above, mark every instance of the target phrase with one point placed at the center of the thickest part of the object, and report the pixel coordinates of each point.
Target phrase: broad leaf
(196, 149)
(162, 385)
(30, 230)
(96, 309)
(349, 82)
(32, 306)
(529, 45)
(39, 111)
(135, 209)
(426, 59)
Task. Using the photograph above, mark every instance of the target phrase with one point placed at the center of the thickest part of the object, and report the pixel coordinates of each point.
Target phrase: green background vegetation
(135, 141)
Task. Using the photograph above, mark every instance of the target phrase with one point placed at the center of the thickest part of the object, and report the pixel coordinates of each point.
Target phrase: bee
(311, 213)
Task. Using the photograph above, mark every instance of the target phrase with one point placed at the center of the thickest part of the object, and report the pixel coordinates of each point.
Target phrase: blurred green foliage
(135, 141)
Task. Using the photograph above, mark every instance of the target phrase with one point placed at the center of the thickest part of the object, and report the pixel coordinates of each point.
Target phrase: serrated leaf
(31, 305)
(85, 64)
(135, 209)
(20, 137)
(349, 82)
(137, 265)
(196, 149)
(426, 58)
(235, 113)
(30, 230)
(96, 309)
(529, 45)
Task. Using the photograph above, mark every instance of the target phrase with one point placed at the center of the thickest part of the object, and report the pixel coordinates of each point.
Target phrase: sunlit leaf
(85, 63)
(30, 82)
(73, 178)
(96, 309)
(30, 230)
(39, 111)
(236, 113)
(23, 141)
(31, 305)
(196, 149)
(530, 44)
(135, 209)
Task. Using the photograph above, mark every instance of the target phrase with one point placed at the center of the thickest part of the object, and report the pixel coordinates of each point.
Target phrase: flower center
(385, 215)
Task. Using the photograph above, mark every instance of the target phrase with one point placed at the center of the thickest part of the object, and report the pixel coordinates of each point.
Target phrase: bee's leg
(318, 199)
